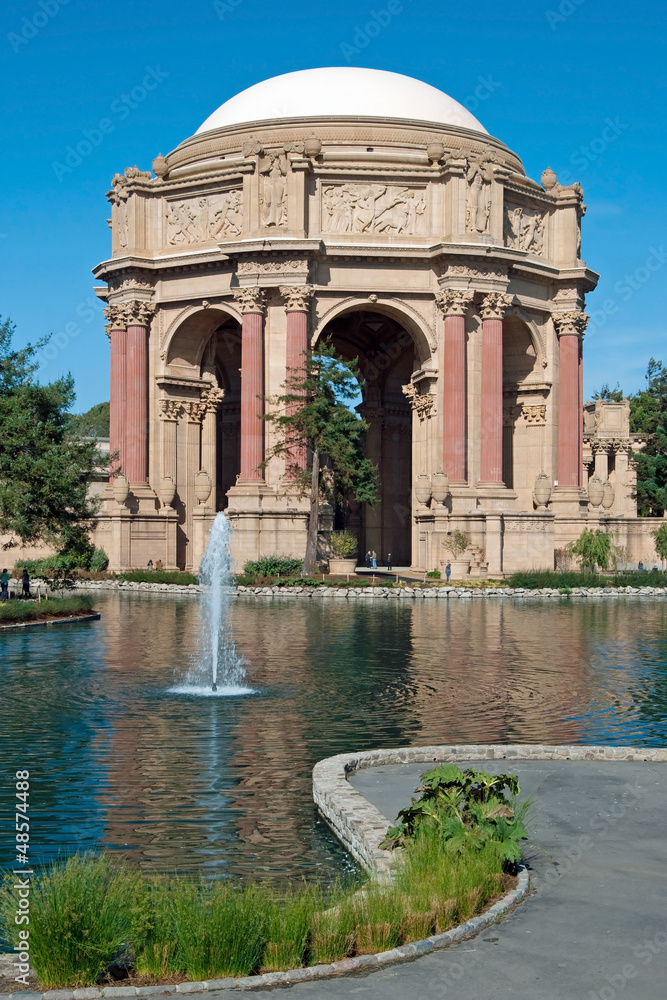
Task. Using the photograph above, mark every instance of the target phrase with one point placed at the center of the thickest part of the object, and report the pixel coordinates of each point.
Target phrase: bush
(272, 566)
(626, 578)
(157, 576)
(99, 561)
(344, 544)
(457, 542)
(25, 611)
(435, 574)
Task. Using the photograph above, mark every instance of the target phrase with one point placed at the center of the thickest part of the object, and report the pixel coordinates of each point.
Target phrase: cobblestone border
(403, 593)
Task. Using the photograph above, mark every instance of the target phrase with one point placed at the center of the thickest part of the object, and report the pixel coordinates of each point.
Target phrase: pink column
(136, 435)
(297, 304)
(116, 330)
(252, 384)
(493, 308)
(570, 328)
(454, 304)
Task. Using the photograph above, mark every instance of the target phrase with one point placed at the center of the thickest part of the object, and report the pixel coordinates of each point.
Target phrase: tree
(311, 417)
(608, 394)
(648, 415)
(594, 549)
(94, 422)
(45, 466)
(660, 535)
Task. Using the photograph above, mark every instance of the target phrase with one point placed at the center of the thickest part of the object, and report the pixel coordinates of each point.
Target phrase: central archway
(386, 354)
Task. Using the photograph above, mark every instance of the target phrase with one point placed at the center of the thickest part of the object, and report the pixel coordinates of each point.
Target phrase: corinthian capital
(455, 301)
(195, 410)
(115, 316)
(170, 409)
(251, 300)
(297, 297)
(570, 324)
(495, 305)
(138, 313)
(212, 397)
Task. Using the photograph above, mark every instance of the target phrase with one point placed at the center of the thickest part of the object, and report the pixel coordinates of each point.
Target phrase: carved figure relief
(196, 220)
(478, 208)
(373, 208)
(118, 197)
(273, 194)
(524, 229)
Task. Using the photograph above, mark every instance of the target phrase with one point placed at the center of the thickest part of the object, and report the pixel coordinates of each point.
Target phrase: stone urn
(341, 567)
(542, 490)
(167, 491)
(121, 488)
(595, 490)
(608, 495)
(435, 151)
(203, 486)
(439, 487)
(423, 489)
(312, 146)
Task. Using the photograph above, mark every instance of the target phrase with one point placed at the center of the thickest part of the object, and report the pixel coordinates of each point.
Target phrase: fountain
(217, 659)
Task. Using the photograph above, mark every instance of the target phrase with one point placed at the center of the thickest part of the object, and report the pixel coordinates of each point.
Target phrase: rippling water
(223, 785)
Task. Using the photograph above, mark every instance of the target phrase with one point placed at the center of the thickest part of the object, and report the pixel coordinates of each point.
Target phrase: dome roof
(343, 92)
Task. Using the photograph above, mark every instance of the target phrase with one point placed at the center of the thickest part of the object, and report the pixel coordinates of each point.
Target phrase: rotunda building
(371, 210)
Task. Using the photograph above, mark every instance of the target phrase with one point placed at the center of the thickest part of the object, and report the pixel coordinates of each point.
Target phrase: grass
(157, 576)
(86, 915)
(17, 611)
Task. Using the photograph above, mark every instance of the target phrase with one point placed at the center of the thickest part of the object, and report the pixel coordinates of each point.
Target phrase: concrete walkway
(595, 925)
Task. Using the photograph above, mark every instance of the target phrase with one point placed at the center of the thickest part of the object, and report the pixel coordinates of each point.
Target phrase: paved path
(596, 924)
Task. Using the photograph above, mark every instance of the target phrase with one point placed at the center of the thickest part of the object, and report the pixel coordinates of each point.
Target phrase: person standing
(4, 585)
(448, 570)
(149, 566)
(158, 565)
(368, 559)
(374, 559)
(26, 583)
(389, 562)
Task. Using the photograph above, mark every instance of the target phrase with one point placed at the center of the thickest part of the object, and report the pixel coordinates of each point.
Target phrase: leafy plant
(435, 574)
(468, 809)
(594, 549)
(457, 542)
(157, 576)
(344, 544)
(272, 566)
(660, 536)
(98, 561)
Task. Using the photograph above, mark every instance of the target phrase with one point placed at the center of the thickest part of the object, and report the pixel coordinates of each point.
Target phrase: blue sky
(578, 85)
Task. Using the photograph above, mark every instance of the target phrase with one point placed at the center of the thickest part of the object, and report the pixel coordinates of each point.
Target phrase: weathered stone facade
(420, 248)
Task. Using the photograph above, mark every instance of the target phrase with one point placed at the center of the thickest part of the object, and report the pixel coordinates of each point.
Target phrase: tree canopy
(311, 416)
(94, 422)
(45, 465)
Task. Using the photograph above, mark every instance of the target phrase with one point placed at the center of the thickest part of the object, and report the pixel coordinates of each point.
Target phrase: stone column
(297, 306)
(136, 436)
(253, 308)
(570, 328)
(600, 452)
(211, 398)
(116, 328)
(170, 410)
(493, 308)
(454, 304)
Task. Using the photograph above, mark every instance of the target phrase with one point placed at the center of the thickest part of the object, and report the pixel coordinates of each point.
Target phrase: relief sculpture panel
(373, 208)
(199, 220)
(524, 229)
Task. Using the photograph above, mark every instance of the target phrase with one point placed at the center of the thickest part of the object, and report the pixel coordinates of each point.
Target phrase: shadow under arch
(523, 366)
(189, 333)
(387, 356)
(415, 325)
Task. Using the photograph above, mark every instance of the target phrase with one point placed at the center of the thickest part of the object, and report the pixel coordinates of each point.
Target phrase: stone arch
(188, 334)
(519, 316)
(423, 335)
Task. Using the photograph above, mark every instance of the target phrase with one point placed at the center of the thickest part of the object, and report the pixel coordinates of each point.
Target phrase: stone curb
(352, 593)
(405, 953)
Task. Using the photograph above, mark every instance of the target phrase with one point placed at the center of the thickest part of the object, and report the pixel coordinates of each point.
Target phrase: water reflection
(223, 784)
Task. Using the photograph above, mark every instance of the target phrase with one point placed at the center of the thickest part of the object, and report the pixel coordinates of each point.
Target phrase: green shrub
(435, 574)
(344, 544)
(158, 576)
(571, 578)
(24, 611)
(272, 566)
(98, 561)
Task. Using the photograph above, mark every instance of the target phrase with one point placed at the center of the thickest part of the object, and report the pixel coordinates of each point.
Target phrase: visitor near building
(389, 562)
(4, 585)
(26, 583)
(448, 571)
(159, 565)
(368, 559)
(149, 566)
(374, 559)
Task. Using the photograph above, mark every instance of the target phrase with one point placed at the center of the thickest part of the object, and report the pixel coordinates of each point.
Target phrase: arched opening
(227, 365)
(386, 354)
(522, 441)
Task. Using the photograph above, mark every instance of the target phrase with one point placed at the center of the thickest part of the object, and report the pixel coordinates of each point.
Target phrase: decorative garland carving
(271, 266)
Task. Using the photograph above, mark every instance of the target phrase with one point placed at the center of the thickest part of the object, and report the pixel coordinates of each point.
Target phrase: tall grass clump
(24, 611)
(80, 920)
(288, 918)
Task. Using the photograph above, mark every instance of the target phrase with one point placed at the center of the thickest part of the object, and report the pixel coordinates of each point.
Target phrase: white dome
(344, 92)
